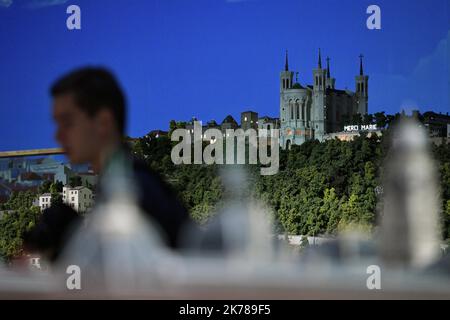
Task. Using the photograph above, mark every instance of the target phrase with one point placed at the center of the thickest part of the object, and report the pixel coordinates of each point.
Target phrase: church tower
(362, 89)
(319, 101)
(286, 76)
(330, 82)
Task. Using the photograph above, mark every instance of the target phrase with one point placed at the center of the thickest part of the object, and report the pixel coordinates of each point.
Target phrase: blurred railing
(120, 255)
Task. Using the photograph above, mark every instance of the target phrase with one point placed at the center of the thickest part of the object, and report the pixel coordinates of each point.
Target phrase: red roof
(48, 176)
(30, 176)
(18, 187)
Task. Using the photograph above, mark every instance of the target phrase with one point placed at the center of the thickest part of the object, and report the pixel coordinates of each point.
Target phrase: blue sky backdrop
(209, 58)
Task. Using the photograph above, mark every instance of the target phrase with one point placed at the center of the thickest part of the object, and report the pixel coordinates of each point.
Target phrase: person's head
(89, 111)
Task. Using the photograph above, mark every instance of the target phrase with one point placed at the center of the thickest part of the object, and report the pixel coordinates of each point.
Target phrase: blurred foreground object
(241, 228)
(120, 249)
(52, 232)
(409, 233)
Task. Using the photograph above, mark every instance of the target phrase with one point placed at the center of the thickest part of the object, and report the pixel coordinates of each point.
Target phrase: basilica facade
(312, 111)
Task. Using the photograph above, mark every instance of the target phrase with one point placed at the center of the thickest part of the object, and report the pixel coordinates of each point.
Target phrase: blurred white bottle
(410, 231)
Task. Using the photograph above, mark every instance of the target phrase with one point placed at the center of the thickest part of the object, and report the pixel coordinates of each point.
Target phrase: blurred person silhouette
(89, 110)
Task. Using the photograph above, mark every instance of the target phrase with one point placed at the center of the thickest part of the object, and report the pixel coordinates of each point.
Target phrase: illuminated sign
(363, 127)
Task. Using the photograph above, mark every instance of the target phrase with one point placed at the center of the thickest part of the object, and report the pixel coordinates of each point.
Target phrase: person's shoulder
(146, 175)
(152, 186)
(159, 200)
(52, 230)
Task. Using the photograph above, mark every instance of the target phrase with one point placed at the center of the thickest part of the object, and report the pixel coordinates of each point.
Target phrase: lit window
(245, 118)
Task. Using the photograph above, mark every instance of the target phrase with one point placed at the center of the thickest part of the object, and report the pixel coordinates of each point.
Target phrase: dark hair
(94, 89)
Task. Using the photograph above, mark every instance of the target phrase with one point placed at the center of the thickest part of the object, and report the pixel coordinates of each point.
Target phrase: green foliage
(442, 156)
(304, 242)
(156, 152)
(447, 219)
(198, 186)
(332, 209)
(56, 187)
(173, 125)
(321, 188)
(45, 187)
(19, 200)
(201, 212)
(380, 119)
(75, 181)
(14, 224)
(56, 198)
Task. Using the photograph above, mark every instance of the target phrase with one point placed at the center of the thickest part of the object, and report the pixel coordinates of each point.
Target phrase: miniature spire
(286, 66)
(361, 71)
(328, 68)
(320, 60)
